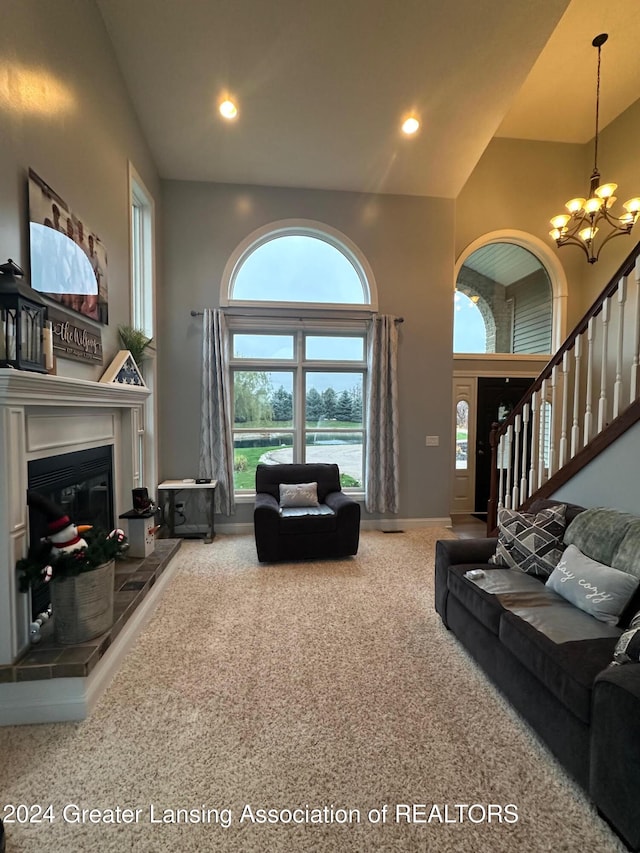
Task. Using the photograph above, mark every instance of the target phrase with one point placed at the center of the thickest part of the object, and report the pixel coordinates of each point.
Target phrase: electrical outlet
(179, 506)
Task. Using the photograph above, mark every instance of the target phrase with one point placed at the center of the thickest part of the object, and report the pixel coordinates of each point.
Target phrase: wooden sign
(75, 339)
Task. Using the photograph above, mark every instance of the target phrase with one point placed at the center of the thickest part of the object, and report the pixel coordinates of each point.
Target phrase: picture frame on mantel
(123, 371)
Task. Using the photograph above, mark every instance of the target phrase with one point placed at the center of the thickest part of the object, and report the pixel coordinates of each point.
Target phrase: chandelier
(588, 218)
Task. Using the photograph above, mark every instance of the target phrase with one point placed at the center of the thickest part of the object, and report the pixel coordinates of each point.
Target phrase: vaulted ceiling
(322, 85)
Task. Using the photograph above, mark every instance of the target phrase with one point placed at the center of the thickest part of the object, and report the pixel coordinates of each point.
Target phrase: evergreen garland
(100, 549)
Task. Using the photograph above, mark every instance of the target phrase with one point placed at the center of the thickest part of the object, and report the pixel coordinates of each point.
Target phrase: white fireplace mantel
(19, 387)
(45, 415)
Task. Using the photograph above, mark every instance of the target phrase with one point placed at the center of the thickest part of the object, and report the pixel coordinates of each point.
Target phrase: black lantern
(22, 318)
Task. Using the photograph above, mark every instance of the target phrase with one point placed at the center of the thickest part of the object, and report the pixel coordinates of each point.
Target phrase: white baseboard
(365, 524)
(62, 700)
(404, 523)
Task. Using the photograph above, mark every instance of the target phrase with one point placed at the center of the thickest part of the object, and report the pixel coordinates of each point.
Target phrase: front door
(496, 397)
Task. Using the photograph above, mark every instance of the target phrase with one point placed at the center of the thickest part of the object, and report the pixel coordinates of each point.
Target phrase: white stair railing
(556, 418)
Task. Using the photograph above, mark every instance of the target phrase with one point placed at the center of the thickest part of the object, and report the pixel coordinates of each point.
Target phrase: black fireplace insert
(81, 483)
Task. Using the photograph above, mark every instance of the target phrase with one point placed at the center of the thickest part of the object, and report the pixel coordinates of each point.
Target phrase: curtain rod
(201, 313)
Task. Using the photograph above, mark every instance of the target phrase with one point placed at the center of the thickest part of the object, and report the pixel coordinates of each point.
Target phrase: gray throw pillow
(298, 494)
(599, 590)
(530, 542)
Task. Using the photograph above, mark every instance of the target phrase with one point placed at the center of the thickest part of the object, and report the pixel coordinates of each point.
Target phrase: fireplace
(46, 419)
(81, 484)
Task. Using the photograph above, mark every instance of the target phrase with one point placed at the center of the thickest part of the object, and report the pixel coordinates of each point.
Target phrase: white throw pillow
(298, 494)
(599, 590)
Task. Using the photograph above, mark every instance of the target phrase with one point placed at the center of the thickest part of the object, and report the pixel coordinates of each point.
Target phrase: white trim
(246, 527)
(61, 700)
(307, 227)
(143, 315)
(549, 261)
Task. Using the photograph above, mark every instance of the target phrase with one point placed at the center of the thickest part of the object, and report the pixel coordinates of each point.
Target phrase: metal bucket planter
(83, 604)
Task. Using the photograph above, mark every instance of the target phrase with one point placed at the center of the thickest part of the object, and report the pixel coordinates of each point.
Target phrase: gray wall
(611, 479)
(409, 243)
(65, 112)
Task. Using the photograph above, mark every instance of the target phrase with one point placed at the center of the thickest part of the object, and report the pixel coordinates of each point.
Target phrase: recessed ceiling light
(228, 109)
(410, 125)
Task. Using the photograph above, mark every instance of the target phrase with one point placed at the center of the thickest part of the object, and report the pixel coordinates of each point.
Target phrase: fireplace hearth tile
(129, 585)
(133, 580)
(33, 673)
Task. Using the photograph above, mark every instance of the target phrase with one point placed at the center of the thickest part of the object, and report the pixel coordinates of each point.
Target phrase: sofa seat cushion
(486, 597)
(562, 646)
(308, 522)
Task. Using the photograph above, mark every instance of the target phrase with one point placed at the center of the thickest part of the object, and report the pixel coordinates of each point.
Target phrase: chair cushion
(298, 511)
(310, 524)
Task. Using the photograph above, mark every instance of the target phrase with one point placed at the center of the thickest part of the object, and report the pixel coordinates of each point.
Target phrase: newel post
(492, 506)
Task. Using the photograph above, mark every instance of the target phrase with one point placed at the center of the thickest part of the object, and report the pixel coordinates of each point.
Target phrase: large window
(298, 397)
(304, 293)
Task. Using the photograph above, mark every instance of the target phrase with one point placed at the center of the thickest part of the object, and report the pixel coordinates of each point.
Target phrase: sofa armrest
(453, 552)
(614, 782)
(266, 503)
(338, 502)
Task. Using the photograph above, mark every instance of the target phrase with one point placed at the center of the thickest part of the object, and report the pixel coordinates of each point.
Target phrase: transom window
(503, 302)
(298, 396)
(298, 262)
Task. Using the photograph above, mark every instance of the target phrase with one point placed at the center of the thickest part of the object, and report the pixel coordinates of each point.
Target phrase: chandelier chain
(595, 156)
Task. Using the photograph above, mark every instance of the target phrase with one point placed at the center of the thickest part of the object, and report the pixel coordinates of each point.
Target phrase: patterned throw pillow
(531, 543)
(628, 646)
(298, 494)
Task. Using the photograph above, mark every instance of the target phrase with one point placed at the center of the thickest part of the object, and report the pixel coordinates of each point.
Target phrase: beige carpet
(328, 685)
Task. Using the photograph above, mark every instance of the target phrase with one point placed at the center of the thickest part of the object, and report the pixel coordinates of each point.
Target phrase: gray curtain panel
(381, 479)
(216, 437)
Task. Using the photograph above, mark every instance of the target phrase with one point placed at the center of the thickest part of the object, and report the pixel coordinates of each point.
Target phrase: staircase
(584, 399)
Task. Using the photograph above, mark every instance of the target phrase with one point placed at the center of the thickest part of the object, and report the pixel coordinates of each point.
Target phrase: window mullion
(298, 423)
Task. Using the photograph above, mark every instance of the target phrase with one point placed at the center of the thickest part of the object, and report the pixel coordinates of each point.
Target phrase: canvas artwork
(68, 259)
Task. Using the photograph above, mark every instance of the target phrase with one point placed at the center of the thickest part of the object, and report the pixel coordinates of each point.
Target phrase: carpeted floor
(328, 685)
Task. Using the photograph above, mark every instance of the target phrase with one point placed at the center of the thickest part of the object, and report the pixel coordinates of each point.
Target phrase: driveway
(348, 457)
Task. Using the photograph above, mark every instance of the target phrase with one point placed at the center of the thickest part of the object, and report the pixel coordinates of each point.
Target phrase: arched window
(519, 289)
(298, 388)
(298, 262)
(470, 330)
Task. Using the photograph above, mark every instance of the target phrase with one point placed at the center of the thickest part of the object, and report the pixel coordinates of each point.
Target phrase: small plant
(240, 463)
(135, 341)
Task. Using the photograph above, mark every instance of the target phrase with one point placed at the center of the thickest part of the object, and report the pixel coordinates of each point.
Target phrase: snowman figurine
(62, 534)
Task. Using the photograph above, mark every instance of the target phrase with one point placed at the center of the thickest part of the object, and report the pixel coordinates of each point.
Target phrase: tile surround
(133, 580)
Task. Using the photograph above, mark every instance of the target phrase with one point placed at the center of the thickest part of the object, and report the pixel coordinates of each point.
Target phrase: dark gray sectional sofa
(552, 660)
